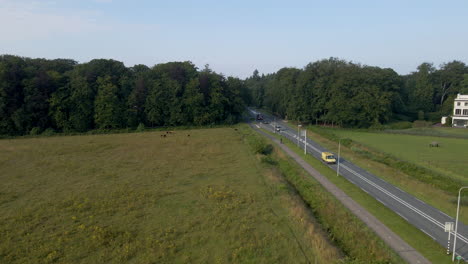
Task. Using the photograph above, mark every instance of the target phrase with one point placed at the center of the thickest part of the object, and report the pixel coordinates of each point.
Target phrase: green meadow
(194, 196)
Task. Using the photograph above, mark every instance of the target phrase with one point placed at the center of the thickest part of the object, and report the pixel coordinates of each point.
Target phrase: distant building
(460, 111)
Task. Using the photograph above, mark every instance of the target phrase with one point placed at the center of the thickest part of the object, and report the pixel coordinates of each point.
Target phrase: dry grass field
(142, 198)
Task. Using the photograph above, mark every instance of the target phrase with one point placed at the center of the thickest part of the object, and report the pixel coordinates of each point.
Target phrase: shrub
(269, 160)
(35, 131)
(260, 146)
(140, 128)
(265, 149)
(48, 132)
(400, 125)
(448, 122)
(420, 115)
(434, 117)
(376, 126)
(419, 123)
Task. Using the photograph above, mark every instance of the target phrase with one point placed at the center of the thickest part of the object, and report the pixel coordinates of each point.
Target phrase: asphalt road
(428, 219)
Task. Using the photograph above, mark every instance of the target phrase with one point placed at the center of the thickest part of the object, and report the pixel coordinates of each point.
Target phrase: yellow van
(328, 157)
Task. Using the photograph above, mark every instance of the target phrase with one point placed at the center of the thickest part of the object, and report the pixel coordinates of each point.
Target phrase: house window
(466, 103)
(458, 103)
(457, 111)
(465, 111)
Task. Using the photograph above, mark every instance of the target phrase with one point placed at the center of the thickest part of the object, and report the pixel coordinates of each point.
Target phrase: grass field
(140, 198)
(450, 159)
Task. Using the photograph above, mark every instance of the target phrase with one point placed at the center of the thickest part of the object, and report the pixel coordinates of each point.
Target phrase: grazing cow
(434, 144)
(188, 135)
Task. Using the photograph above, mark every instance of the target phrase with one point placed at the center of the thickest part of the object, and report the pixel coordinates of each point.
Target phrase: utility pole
(305, 141)
(456, 223)
(274, 123)
(339, 148)
(298, 127)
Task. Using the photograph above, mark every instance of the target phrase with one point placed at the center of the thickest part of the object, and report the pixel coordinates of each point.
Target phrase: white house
(460, 111)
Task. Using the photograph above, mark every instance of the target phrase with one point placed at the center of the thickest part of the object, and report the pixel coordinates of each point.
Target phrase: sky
(238, 36)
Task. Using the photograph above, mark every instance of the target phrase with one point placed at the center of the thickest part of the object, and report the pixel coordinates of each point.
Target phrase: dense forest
(352, 95)
(62, 95)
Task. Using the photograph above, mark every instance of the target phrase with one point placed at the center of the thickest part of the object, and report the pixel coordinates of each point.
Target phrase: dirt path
(407, 252)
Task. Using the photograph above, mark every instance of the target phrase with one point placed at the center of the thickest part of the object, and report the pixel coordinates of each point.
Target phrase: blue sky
(237, 37)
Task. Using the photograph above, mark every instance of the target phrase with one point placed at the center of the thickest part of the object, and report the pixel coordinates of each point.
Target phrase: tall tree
(449, 77)
(108, 108)
(82, 96)
(12, 74)
(193, 102)
(157, 104)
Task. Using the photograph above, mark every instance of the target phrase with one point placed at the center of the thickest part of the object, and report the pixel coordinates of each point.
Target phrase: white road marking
(381, 201)
(402, 216)
(427, 233)
(445, 214)
(418, 200)
(364, 190)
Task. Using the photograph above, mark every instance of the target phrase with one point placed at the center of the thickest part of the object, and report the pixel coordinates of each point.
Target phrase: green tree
(81, 102)
(464, 84)
(136, 101)
(60, 108)
(422, 91)
(12, 74)
(194, 103)
(449, 77)
(157, 108)
(108, 108)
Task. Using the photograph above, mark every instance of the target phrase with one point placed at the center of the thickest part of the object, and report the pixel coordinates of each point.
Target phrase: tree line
(63, 95)
(352, 95)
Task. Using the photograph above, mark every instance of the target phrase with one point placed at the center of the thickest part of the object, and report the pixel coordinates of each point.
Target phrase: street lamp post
(305, 141)
(274, 123)
(339, 150)
(456, 223)
(298, 127)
